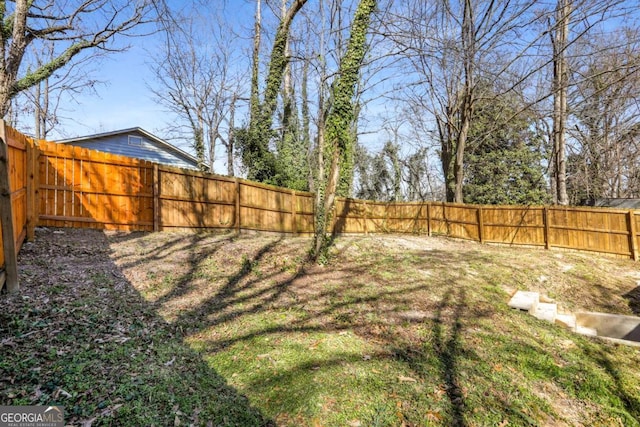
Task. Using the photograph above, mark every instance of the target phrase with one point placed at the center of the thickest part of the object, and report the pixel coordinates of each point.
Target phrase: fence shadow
(252, 288)
(100, 349)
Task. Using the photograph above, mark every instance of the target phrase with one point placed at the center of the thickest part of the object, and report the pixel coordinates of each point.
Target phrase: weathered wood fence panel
(634, 229)
(18, 146)
(189, 199)
(268, 208)
(518, 225)
(89, 189)
(455, 220)
(365, 216)
(605, 231)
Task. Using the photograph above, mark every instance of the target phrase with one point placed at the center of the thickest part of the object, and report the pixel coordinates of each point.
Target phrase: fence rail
(64, 186)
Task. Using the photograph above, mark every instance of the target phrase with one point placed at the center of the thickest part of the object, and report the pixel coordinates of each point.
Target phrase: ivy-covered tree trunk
(306, 127)
(254, 103)
(339, 139)
(292, 162)
(260, 161)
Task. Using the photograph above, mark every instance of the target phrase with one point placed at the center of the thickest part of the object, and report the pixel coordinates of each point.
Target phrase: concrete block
(586, 331)
(611, 325)
(524, 300)
(566, 320)
(546, 311)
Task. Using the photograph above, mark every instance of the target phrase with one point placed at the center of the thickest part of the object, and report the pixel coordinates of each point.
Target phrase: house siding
(149, 150)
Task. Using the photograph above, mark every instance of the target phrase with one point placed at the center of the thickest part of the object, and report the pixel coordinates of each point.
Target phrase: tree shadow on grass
(630, 403)
(254, 304)
(79, 335)
(448, 347)
(633, 299)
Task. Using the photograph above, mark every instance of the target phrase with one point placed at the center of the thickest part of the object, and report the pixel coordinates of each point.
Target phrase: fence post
(6, 217)
(237, 212)
(156, 197)
(633, 242)
(364, 218)
(545, 220)
(294, 209)
(32, 188)
(429, 219)
(333, 216)
(480, 225)
(445, 220)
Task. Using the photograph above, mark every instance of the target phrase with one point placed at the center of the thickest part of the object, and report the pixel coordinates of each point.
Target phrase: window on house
(135, 140)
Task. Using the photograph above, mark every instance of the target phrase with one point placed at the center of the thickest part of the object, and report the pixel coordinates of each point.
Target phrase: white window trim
(133, 140)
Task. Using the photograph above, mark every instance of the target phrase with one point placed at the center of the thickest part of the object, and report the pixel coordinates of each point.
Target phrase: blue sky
(124, 100)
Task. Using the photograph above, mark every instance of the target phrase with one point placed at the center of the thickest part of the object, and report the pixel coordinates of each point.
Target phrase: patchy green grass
(178, 328)
(79, 335)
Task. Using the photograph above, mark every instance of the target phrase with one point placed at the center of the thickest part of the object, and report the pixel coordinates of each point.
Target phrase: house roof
(147, 134)
(621, 203)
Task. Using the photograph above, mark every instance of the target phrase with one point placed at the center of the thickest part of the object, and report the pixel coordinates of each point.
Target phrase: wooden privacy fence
(64, 186)
(83, 188)
(599, 230)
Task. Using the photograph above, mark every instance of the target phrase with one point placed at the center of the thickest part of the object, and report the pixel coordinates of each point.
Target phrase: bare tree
(453, 47)
(603, 138)
(47, 99)
(571, 24)
(73, 28)
(198, 83)
(559, 41)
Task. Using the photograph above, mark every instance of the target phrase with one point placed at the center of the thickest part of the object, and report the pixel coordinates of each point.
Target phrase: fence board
(188, 199)
(267, 208)
(597, 230)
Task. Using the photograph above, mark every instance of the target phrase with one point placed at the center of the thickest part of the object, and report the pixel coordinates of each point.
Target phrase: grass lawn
(219, 329)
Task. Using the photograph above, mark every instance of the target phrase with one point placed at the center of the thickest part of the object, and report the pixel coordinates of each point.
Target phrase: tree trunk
(37, 113)
(560, 83)
(306, 125)
(262, 163)
(446, 157)
(212, 135)
(458, 169)
(277, 65)
(339, 123)
(254, 107)
(231, 136)
(467, 101)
